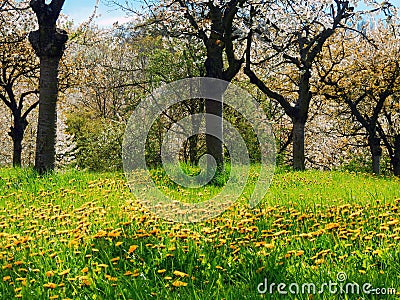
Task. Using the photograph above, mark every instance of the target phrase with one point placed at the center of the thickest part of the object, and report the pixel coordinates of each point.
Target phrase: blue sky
(80, 10)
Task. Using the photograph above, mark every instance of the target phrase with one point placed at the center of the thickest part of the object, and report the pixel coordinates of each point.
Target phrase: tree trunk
(195, 108)
(396, 158)
(17, 135)
(46, 132)
(193, 140)
(17, 153)
(214, 128)
(298, 145)
(376, 152)
(214, 69)
(49, 44)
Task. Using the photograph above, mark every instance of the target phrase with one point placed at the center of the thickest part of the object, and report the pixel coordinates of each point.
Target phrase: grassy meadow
(81, 235)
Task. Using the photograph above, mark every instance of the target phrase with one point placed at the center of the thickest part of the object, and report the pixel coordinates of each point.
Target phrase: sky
(81, 10)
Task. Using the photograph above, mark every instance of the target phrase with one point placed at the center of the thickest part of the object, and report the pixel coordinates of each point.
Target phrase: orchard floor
(81, 235)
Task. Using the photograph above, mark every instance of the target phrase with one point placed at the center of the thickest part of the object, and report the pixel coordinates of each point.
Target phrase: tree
(291, 36)
(364, 77)
(216, 25)
(116, 69)
(49, 44)
(18, 73)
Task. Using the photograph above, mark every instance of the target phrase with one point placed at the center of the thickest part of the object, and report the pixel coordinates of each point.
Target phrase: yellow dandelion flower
(132, 248)
(115, 259)
(6, 278)
(178, 283)
(167, 277)
(161, 271)
(128, 273)
(260, 244)
(23, 270)
(49, 273)
(53, 297)
(260, 269)
(269, 246)
(86, 282)
(180, 274)
(64, 272)
(85, 270)
(117, 244)
(50, 285)
(331, 226)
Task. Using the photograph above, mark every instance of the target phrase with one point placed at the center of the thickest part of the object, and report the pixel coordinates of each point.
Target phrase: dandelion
(132, 248)
(331, 226)
(180, 274)
(178, 283)
(50, 285)
(49, 273)
(64, 272)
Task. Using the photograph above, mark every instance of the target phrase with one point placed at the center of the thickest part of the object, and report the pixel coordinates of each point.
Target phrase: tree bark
(17, 152)
(193, 140)
(376, 152)
(46, 132)
(298, 145)
(17, 135)
(396, 157)
(49, 44)
(214, 68)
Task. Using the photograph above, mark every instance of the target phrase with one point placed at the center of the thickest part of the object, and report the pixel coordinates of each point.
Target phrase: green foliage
(98, 142)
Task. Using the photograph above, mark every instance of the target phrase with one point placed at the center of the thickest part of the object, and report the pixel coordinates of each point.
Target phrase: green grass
(81, 235)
